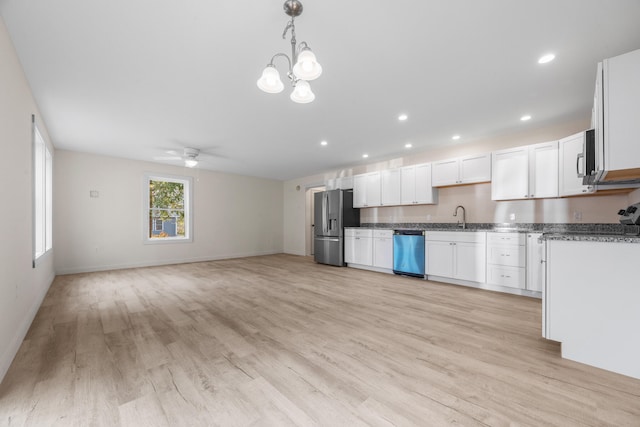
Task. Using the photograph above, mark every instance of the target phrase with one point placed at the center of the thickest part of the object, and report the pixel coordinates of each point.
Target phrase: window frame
(42, 196)
(187, 181)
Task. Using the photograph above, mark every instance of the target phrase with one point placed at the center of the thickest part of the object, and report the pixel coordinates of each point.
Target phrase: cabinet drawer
(513, 277)
(383, 233)
(358, 232)
(514, 256)
(506, 238)
(456, 236)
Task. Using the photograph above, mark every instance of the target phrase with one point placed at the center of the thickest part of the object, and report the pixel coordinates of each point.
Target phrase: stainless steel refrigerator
(333, 210)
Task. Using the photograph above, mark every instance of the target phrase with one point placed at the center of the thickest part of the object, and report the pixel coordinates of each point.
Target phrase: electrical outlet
(512, 217)
(577, 216)
(428, 217)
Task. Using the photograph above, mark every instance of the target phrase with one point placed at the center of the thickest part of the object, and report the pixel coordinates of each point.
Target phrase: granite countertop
(566, 232)
(593, 237)
(452, 226)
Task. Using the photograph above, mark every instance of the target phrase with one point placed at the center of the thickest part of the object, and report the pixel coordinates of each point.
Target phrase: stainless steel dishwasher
(408, 252)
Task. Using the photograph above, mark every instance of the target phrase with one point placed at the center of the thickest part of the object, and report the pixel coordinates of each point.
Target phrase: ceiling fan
(190, 156)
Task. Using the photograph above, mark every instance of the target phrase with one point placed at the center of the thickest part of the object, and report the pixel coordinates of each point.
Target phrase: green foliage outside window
(166, 201)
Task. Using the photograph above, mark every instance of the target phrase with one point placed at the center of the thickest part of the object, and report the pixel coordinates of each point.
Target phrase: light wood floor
(279, 340)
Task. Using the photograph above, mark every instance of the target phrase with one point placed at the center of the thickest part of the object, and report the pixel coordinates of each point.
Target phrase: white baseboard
(486, 286)
(370, 268)
(91, 269)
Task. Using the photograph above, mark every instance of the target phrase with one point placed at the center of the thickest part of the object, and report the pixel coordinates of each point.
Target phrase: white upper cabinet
(366, 190)
(390, 187)
(475, 168)
(570, 173)
(462, 170)
(510, 175)
(525, 172)
(416, 185)
(543, 170)
(446, 172)
(621, 107)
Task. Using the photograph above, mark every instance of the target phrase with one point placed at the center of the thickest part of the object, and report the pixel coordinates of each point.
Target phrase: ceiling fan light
(307, 68)
(190, 163)
(302, 93)
(270, 80)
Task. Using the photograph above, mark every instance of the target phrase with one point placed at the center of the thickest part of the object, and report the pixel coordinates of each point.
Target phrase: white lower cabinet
(456, 255)
(536, 276)
(358, 246)
(507, 259)
(591, 303)
(439, 257)
(383, 249)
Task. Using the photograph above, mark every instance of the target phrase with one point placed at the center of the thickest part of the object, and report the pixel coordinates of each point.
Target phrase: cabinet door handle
(578, 162)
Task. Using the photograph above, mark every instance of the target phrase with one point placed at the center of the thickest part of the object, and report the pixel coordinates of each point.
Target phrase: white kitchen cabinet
(525, 172)
(456, 255)
(621, 109)
(439, 256)
(366, 190)
(470, 259)
(510, 175)
(506, 259)
(476, 168)
(535, 262)
(569, 175)
(462, 170)
(415, 186)
(592, 310)
(383, 249)
(446, 172)
(390, 187)
(543, 170)
(358, 246)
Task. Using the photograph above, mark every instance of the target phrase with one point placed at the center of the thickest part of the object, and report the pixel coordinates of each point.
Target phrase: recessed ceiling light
(364, 156)
(546, 58)
(403, 117)
(455, 137)
(525, 118)
(323, 142)
(408, 145)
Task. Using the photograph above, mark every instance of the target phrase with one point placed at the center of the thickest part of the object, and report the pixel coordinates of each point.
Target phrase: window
(167, 212)
(42, 195)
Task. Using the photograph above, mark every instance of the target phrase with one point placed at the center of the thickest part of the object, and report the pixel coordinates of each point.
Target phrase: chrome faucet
(464, 217)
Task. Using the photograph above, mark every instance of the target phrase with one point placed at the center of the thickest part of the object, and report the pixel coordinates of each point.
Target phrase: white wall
(475, 198)
(22, 287)
(233, 215)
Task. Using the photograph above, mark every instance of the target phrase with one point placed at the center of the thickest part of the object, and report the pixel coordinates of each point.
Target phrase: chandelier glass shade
(270, 81)
(302, 93)
(302, 65)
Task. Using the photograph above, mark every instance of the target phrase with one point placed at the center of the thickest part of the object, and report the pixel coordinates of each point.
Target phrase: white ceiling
(136, 78)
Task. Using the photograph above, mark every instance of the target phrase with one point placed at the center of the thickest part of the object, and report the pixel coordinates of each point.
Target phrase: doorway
(309, 221)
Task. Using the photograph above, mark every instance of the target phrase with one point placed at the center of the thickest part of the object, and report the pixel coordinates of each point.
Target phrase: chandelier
(303, 66)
